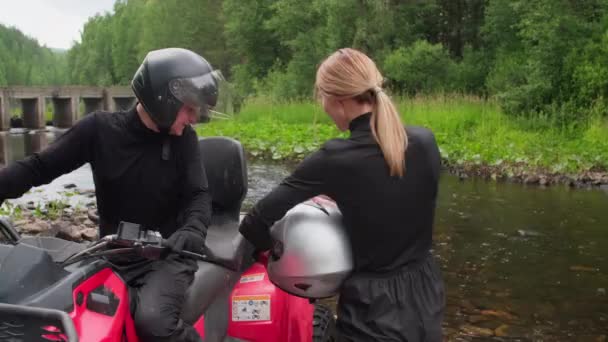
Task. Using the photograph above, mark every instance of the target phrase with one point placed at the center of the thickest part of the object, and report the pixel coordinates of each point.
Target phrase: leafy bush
(422, 67)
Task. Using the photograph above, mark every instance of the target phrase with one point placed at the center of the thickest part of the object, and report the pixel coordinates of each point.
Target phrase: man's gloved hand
(187, 239)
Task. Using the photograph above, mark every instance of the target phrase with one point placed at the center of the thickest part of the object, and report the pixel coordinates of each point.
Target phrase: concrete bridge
(69, 103)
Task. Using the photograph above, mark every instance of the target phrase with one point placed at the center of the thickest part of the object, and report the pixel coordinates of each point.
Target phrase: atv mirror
(25, 323)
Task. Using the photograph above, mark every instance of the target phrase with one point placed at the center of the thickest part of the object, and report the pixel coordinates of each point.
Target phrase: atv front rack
(30, 324)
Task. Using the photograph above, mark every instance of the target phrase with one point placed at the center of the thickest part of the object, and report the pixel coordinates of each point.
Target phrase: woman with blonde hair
(384, 179)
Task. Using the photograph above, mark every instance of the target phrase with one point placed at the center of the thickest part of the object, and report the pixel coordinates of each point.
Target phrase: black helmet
(170, 78)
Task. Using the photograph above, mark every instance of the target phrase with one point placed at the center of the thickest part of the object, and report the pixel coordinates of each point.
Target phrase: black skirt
(405, 305)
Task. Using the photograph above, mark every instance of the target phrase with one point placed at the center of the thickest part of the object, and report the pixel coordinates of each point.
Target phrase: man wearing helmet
(147, 169)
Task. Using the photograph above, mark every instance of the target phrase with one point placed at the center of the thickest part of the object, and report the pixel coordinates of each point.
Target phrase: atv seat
(226, 169)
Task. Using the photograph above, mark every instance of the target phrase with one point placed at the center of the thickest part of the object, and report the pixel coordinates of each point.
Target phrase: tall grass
(259, 109)
(468, 130)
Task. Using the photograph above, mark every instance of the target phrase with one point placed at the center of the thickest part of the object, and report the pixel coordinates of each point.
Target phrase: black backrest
(226, 169)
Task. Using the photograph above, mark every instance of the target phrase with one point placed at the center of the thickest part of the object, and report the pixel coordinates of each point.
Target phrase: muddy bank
(74, 224)
(516, 173)
(521, 173)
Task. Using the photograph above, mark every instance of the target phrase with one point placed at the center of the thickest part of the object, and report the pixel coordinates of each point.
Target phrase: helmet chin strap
(166, 147)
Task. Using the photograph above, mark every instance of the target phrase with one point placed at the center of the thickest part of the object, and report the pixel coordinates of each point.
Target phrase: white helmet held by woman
(311, 255)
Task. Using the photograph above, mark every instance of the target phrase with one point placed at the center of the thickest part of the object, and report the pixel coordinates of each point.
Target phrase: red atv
(57, 290)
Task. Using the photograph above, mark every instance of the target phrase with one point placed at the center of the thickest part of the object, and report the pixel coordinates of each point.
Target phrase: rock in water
(89, 234)
(66, 231)
(472, 330)
(88, 193)
(499, 314)
(92, 214)
(33, 228)
(580, 268)
(501, 331)
(81, 219)
(511, 331)
(478, 318)
(524, 233)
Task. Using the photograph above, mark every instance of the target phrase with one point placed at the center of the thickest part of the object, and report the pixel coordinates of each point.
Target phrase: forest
(540, 56)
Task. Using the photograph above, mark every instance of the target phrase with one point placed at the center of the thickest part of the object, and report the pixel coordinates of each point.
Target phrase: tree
(532, 55)
(24, 62)
(126, 31)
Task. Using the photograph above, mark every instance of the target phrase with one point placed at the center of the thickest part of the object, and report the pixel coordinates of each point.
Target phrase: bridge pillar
(5, 112)
(123, 103)
(33, 112)
(118, 98)
(35, 142)
(65, 111)
(5, 148)
(92, 104)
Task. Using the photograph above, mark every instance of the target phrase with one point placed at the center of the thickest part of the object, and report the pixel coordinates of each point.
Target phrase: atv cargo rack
(30, 324)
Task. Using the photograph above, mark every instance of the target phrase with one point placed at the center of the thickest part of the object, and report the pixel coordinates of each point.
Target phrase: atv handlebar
(134, 239)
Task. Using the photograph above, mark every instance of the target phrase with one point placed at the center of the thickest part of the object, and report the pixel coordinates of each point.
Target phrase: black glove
(187, 239)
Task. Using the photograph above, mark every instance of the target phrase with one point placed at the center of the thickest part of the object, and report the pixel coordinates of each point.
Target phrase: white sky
(54, 23)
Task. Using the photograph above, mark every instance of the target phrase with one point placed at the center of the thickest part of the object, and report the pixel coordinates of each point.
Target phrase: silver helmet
(311, 255)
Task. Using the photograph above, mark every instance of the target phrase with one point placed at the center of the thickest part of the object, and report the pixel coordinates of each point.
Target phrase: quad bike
(57, 290)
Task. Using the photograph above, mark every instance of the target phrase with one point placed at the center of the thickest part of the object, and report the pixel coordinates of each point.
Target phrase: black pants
(157, 290)
(406, 305)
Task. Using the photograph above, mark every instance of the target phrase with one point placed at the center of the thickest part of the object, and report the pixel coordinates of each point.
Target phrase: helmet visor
(200, 92)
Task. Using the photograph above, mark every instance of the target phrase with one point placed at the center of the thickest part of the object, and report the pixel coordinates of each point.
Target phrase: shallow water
(528, 263)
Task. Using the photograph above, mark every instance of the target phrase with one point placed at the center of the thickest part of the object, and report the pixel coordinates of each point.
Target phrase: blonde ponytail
(389, 132)
(348, 73)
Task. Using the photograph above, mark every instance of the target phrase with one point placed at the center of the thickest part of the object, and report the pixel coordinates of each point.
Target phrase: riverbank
(79, 224)
(475, 138)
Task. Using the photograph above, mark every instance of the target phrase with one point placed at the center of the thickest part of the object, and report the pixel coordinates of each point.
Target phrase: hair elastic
(377, 90)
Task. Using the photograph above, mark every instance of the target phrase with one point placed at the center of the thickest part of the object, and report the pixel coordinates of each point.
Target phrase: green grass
(273, 139)
(48, 210)
(289, 112)
(468, 130)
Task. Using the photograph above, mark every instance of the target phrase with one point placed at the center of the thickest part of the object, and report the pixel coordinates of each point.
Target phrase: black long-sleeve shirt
(389, 219)
(133, 183)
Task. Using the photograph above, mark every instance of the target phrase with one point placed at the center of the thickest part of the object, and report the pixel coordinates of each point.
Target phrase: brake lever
(206, 255)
